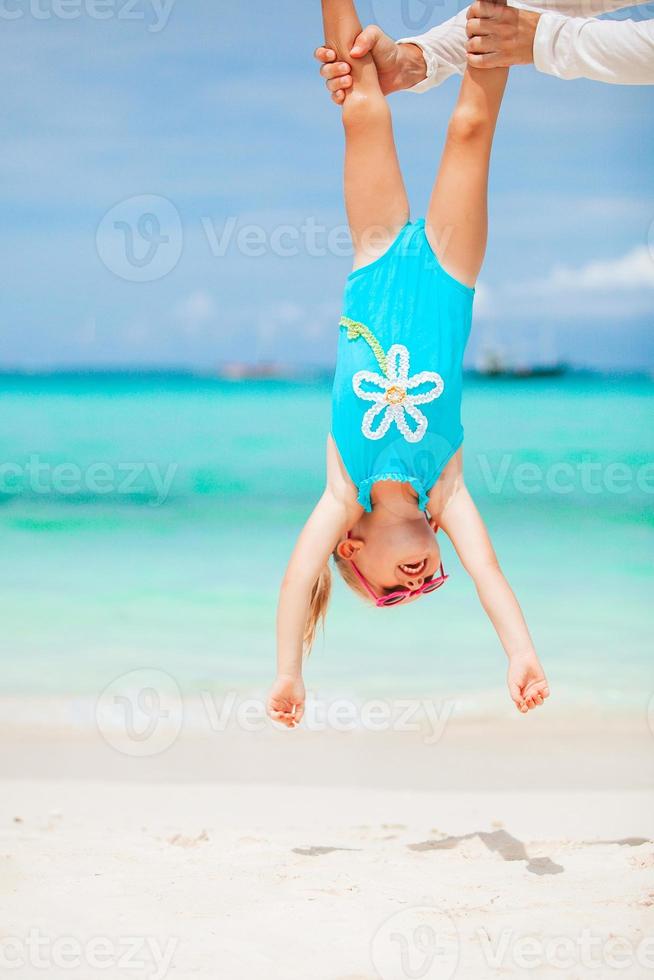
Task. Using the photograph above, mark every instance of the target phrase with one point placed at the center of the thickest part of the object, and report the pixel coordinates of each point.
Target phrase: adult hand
(500, 36)
(399, 66)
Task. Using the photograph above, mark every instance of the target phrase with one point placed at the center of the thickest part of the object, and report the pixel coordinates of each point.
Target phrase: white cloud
(635, 270)
(197, 309)
(484, 300)
(609, 289)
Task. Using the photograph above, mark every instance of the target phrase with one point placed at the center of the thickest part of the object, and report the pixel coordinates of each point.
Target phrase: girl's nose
(415, 583)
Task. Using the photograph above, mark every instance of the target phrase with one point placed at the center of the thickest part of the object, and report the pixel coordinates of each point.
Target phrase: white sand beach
(511, 848)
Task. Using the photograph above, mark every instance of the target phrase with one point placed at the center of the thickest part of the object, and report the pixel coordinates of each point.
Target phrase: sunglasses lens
(393, 600)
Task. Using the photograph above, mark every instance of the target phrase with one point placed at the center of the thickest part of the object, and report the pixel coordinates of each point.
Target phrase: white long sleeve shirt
(567, 46)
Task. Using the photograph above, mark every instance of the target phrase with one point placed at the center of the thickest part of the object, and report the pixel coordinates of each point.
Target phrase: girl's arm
(320, 535)
(463, 524)
(336, 511)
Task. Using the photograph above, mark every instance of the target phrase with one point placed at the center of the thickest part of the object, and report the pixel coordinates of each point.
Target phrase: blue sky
(217, 108)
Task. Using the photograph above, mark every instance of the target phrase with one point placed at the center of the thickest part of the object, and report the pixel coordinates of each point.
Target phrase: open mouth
(414, 569)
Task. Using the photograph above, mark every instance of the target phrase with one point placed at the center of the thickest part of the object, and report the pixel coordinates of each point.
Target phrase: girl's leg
(457, 219)
(375, 197)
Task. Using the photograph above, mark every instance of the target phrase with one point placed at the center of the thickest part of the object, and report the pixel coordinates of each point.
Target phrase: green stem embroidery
(356, 329)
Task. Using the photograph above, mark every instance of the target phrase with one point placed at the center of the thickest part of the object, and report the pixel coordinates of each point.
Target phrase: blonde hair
(321, 594)
(318, 604)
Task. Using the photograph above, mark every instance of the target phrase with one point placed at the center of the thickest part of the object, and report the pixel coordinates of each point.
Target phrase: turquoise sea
(145, 521)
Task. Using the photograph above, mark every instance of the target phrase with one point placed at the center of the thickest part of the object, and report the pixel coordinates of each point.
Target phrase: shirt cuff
(431, 61)
(543, 42)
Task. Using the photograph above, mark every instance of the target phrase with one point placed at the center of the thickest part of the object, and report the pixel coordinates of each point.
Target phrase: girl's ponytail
(317, 607)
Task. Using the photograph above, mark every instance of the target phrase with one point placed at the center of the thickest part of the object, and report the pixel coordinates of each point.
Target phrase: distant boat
(262, 371)
(492, 365)
(271, 371)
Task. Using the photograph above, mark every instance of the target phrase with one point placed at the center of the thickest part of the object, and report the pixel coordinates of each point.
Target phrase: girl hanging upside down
(394, 456)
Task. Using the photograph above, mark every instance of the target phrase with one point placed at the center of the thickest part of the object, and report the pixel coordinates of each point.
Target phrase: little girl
(394, 457)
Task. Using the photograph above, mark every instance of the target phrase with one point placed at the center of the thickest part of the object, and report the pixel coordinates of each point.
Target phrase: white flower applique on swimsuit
(393, 401)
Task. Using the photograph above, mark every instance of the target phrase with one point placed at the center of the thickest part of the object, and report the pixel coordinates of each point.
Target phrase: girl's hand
(286, 700)
(528, 685)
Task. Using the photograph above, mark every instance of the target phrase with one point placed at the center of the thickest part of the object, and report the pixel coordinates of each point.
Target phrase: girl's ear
(349, 548)
(433, 523)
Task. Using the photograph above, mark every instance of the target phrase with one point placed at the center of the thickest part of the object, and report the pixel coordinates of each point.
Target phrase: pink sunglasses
(395, 598)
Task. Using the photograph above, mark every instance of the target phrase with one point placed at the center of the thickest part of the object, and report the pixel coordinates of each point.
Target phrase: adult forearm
(618, 52)
(442, 53)
(412, 66)
(549, 34)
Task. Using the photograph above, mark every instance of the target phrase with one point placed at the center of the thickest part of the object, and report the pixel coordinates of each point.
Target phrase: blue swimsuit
(396, 404)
